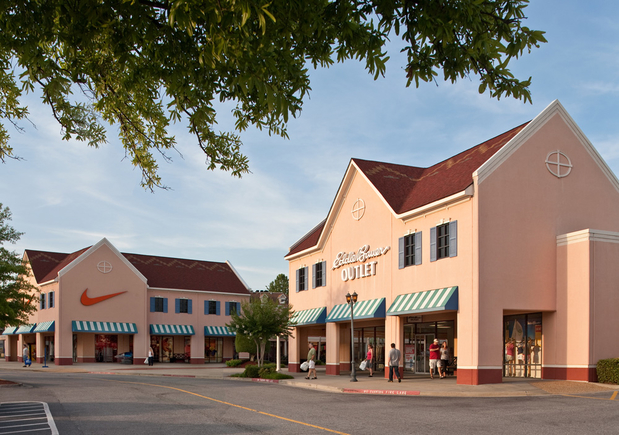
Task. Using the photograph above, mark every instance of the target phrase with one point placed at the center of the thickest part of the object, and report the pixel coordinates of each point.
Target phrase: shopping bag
(146, 360)
(304, 366)
(363, 364)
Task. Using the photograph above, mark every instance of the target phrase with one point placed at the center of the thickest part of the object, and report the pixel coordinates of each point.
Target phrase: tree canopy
(17, 299)
(142, 65)
(260, 320)
(279, 284)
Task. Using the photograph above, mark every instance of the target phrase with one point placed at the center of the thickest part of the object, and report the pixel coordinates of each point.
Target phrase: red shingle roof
(160, 272)
(406, 188)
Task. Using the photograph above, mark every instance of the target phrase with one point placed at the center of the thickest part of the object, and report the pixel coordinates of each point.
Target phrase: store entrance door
(422, 354)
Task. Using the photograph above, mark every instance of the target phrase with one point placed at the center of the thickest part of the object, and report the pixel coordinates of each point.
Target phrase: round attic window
(558, 164)
(104, 267)
(358, 209)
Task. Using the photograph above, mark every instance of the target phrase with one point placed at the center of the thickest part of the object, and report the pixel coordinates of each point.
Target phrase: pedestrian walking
(311, 360)
(434, 357)
(394, 362)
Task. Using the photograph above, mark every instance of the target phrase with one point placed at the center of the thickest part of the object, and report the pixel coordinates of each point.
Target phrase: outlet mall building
(515, 240)
(98, 304)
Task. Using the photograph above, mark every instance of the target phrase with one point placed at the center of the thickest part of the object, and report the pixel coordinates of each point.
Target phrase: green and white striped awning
(45, 327)
(313, 316)
(440, 299)
(172, 330)
(218, 331)
(26, 329)
(371, 309)
(104, 327)
(11, 330)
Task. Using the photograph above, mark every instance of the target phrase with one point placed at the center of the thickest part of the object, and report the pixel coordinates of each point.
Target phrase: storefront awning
(218, 331)
(440, 299)
(371, 309)
(11, 330)
(45, 327)
(313, 316)
(26, 329)
(104, 327)
(172, 330)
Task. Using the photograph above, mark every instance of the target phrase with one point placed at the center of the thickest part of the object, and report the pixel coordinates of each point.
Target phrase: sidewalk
(413, 385)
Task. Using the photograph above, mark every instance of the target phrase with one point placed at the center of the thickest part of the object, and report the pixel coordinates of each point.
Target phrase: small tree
(17, 299)
(260, 320)
(279, 284)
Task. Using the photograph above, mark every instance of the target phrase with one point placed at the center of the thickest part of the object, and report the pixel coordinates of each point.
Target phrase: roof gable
(157, 272)
(406, 188)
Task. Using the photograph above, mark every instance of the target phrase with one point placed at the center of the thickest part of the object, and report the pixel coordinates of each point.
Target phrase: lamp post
(351, 299)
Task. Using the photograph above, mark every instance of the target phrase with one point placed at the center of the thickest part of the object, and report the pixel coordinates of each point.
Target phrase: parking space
(32, 418)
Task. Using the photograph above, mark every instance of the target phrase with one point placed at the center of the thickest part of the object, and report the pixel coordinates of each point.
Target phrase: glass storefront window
(374, 335)
(522, 356)
(106, 347)
(213, 349)
(417, 340)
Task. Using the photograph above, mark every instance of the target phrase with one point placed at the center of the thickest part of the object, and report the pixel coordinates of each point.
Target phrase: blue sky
(65, 196)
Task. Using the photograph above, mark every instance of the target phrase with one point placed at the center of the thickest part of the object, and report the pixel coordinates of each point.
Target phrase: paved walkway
(411, 385)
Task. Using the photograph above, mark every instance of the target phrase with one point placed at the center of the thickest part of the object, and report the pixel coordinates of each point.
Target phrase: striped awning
(313, 316)
(371, 309)
(172, 330)
(25, 329)
(218, 331)
(440, 299)
(105, 327)
(10, 330)
(45, 327)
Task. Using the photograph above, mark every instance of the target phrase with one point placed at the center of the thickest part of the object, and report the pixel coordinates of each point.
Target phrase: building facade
(505, 251)
(100, 305)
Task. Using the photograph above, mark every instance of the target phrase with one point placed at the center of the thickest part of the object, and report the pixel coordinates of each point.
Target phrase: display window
(213, 349)
(522, 356)
(106, 347)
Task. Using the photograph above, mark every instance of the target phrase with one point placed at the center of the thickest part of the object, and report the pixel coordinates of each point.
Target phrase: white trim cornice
(161, 289)
(588, 235)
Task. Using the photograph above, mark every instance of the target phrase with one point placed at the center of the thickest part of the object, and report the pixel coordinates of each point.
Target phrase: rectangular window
(302, 279)
(183, 306)
(42, 307)
(409, 250)
(232, 308)
(212, 307)
(159, 305)
(319, 274)
(50, 298)
(442, 241)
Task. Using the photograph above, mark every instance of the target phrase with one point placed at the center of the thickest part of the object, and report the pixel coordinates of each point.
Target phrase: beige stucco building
(98, 304)
(515, 240)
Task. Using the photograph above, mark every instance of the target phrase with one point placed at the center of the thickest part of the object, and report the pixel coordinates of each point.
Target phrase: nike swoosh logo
(85, 300)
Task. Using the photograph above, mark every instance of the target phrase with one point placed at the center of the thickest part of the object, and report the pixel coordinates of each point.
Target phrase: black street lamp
(351, 299)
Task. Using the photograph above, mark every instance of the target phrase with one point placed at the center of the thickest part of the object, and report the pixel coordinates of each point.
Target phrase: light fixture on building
(351, 300)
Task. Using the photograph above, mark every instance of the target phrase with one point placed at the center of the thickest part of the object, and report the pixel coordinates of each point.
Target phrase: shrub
(251, 371)
(608, 371)
(276, 375)
(234, 362)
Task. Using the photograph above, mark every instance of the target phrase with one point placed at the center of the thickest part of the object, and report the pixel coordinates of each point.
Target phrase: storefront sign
(361, 256)
(414, 319)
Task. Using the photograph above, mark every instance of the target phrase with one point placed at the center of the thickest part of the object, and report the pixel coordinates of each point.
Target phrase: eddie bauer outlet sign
(361, 256)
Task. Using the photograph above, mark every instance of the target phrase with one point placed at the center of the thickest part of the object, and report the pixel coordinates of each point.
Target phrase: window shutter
(238, 308)
(306, 277)
(401, 253)
(227, 308)
(417, 248)
(324, 273)
(297, 280)
(189, 303)
(314, 275)
(177, 306)
(152, 305)
(217, 308)
(165, 305)
(453, 239)
(433, 244)
(206, 307)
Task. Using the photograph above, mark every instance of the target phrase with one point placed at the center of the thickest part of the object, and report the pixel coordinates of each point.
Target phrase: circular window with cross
(104, 267)
(558, 164)
(358, 209)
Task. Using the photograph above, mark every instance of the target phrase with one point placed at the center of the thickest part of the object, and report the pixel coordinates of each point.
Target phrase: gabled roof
(160, 272)
(406, 188)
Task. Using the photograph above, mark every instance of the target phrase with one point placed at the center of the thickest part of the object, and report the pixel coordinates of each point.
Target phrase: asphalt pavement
(416, 385)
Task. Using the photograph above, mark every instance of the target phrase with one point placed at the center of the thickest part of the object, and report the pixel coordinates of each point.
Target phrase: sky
(65, 196)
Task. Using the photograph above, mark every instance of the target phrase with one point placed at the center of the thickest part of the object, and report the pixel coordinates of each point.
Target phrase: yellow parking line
(231, 404)
(588, 397)
(613, 396)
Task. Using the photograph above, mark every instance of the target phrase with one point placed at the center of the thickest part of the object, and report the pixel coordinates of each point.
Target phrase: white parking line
(25, 417)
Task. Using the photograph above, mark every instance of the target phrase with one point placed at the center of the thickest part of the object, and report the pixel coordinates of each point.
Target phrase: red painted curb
(271, 381)
(387, 392)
